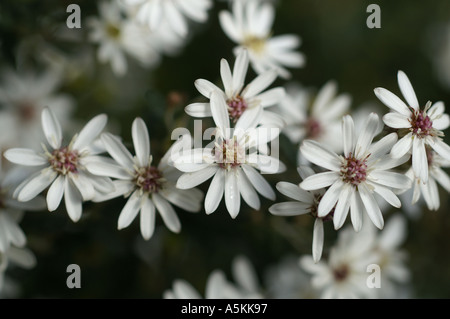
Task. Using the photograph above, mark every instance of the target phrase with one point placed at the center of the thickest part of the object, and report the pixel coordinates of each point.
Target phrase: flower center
(26, 111)
(341, 273)
(353, 170)
(112, 31)
(149, 179)
(236, 107)
(229, 154)
(64, 160)
(421, 125)
(255, 44)
(315, 209)
(313, 128)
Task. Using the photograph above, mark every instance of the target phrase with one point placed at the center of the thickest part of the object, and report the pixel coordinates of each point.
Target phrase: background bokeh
(337, 45)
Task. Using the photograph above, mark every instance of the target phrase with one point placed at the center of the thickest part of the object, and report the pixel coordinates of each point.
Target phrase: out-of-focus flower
(250, 26)
(119, 36)
(149, 187)
(240, 99)
(417, 127)
(15, 256)
(62, 167)
(230, 162)
(23, 96)
(355, 177)
(174, 13)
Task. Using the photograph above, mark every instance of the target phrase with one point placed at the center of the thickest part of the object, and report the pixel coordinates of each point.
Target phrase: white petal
(383, 146)
(240, 71)
(187, 199)
(371, 206)
(290, 209)
(258, 182)
(441, 148)
(442, 178)
(190, 180)
(205, 87)
(407, 90)
(36, 185)
(55, 193)
(52, 128)
(229, 26)
(247, 190)
(117, 150)
(348, 128)
(167, 213)
(419, 159)
(387, 194)
(272, 96)
(317, 242)
(356, 211)
(24, 156)
(367, 135)
(392, 101)
(147, 219)
(83, 185)
(259, 84)
(141, 141)
(342, 206)
(198, 109)
(90, 131)
(330, 198)
(249, 119)
(442, 123)
(396, 120)
(326, 93)
(294, 192)
(269, 165)
(129, 211)
(232, 195)
(176, 19)
(227, 78)
(107, 169)
(319, 180)
(320, 155)
(305, 171)
(72, 200)
(394, 234)
(402, 146)
(215, 192)
(219, 110)
(390, 179)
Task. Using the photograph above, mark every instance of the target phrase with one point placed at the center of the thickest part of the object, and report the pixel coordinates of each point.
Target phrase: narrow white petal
(320, 155)
(441, 148)
(402, 146)
(24, 156)
(371, 206)
(107, 169)
(290, 209)
(215, 192)
(198, 109)
(147, 219)
(326, 93)
(272, 96)
(407, 90)
(305, 171)
(232, 195)
(247, 190)
(83, 185)
(419, 159)
(383, 146)
(442, 123)
(229, 26)
(129, 211)
(259, 84)
(348, 128)
(205, 87)
(187, 199)
(392, 101)
(356, 211)
(117, 150)
(342, 206)
(319, 180)
(390, 179)
(394, 234)
(90, 131)
(317, 242)
(52, 128)
(167, 213)
(176, 19)
(190, 180)
(396, 120)
(141, 141)
(227, 78)
(295, 192)
(269, 165)
(72, 200)
(36, 185)
(219, 111)
(387, 194)
(249, 119)
(330, 198)
(442, 178)
(55, 193)
(367, 135)
(258, 182)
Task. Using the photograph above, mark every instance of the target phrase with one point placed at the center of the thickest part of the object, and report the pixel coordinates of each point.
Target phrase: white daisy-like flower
(11, 210)
(23, 96)
(363, 170)
(149, 187)
(176, 13)
(344, 274)
(305, 202)
(228, 161)
(62, 166)
(417, 127)
(319, 120)
(240, 99)
(118, 37)
(250, 26)
(16, 256)
(436, 175)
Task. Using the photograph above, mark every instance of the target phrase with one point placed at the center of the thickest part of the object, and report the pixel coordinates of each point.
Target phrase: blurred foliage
(337, 45)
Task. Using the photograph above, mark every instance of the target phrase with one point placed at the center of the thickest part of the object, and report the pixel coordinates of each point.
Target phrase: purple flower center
(341, 272)
(353, 170)
(64, 160)
(421, 125)
(313, 128)
(236, 107)
(149, 179)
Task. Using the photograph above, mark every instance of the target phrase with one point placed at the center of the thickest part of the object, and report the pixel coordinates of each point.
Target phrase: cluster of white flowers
(346, 168)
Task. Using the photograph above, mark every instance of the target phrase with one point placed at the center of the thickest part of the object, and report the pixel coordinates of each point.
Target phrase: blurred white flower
(62, 167)
(174, 13)
(240, 99)
(15, 256)
(355, 177)
(230, 163)
(320, 120)
(250, 26)
(149, 187)
(417, 127)
(119, 36)
(305, 202)
(245, 277)
(23, 96)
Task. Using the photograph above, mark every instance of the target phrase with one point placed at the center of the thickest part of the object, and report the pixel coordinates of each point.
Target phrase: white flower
(148, 186)
(11, 210)
(63, 166)
(119, 36)
(436, 175)
(175, 13)
(356, 176)
(344, 275)
(23, 96)
(305, 202)
(239, 99)
(227, 160)
(250, 26)
(320, 121)
(22, 257)
(417, 127)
